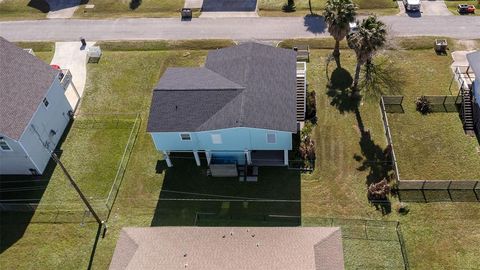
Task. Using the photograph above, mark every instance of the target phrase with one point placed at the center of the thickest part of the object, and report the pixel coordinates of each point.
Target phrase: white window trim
(5, 150)
(275, 134)
(185, 133)
(220, 139)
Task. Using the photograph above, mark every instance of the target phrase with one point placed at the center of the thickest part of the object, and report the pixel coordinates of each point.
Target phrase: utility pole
(101, 223)
(75, 186)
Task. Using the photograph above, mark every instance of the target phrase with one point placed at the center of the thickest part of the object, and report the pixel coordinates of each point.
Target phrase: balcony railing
(65, 78)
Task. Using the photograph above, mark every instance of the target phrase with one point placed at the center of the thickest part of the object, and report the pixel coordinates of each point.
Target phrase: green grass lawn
(274, 7)
(147, 8)
(432, 146)
(437, 235)
(20, 9)
(43, 50)
(452, 6)
(24, 9)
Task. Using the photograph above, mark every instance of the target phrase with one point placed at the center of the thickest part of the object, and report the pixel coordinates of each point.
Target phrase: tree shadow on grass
(338, 89)
(373, 158)
(134, 4)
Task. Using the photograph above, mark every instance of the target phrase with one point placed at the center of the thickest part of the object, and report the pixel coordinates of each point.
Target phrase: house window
(271, 137)
(185, 136)
(45, 102)
(216, 138)
(4, 146)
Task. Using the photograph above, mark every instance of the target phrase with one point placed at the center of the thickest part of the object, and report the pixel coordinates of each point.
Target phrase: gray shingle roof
(225, 248)
(249, 85)
(25, 80)
(194, 79)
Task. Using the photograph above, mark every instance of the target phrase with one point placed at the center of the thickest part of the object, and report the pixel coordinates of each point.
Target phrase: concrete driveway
(428, 8)
(68, 55)
(61, 9)
(435, 8)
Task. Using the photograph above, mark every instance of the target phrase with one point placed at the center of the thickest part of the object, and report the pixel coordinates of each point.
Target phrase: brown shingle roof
(306, 248)
(25, 80)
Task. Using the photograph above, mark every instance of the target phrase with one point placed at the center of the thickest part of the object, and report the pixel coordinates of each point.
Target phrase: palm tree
(371, 36)
(338, 15)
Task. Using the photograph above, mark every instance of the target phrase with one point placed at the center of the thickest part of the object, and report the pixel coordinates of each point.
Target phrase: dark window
(4, 146)
(185, 136)
(45, 102)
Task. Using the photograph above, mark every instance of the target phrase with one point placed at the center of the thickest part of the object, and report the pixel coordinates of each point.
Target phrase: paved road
(264, 28)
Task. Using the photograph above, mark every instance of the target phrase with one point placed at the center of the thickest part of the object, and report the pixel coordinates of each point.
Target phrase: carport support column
(249, 157)
(285, 157)
(209, 156)
(197, 158)
(167, 159)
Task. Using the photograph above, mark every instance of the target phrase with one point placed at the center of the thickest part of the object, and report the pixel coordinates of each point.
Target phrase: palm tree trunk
(357, 77)
(336, 53)
(310, 6)
(368, 70)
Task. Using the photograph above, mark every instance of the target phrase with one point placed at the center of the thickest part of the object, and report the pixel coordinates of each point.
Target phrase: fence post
(475, 190)
(423, 191)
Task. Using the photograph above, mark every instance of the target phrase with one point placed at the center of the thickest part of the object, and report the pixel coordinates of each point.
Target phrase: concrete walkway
(460, 61)
(193, 4)
(69, 56)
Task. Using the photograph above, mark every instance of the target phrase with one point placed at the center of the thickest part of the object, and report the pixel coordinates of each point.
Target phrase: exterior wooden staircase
(467, 111)
(301, 91)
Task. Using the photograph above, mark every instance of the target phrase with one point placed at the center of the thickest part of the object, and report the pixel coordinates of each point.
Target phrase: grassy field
(135, 8)
(452, 6)
(432, 146)
(274, 7)
(43, 50)
(437, 235)
(35, 9)
(20, 9)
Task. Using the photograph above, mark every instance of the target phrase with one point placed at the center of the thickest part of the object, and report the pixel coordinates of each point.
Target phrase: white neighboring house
(34, 111)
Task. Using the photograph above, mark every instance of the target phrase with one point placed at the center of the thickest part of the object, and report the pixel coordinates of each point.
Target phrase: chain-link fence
(444, 103)
(393, 104)
(428, 190)
(368, 232)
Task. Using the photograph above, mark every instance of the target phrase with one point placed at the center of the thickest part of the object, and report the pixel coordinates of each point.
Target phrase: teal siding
(232, 139)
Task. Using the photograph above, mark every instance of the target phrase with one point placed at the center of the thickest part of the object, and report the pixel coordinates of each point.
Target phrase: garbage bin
(186, 13)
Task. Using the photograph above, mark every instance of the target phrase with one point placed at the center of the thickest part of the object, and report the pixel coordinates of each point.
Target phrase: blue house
(474, 63)
(240, 108)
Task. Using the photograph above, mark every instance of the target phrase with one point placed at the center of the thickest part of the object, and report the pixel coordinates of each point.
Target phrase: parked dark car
(466, 9)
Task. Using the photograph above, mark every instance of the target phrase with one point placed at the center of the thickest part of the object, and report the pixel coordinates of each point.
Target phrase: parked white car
(412, 5)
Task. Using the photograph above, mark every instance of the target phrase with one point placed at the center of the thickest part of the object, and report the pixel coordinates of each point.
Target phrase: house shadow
(191, 198)
(315, 23)
(46, 6)
(17, 195)
(229, 6)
